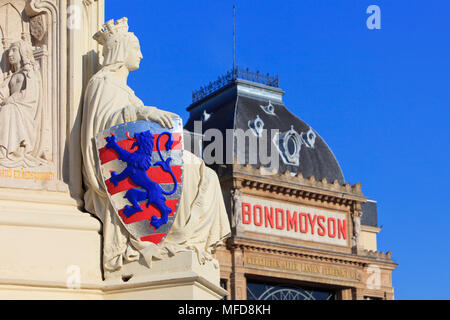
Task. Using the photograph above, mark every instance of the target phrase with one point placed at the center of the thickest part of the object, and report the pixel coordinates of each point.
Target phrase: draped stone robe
(21, 121)
(201, 222)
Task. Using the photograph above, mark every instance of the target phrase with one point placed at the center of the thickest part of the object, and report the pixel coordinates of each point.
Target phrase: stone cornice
(296, 185)
(362, 259)
(376, 254)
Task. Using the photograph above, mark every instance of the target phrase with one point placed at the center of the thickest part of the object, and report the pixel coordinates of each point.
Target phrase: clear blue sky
(380, 98)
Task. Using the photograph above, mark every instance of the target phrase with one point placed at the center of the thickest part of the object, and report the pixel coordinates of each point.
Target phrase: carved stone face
(14, 55)
(134, 55)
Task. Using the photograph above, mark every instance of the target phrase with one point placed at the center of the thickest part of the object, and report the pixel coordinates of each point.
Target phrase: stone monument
(202, 221)
(63, 237)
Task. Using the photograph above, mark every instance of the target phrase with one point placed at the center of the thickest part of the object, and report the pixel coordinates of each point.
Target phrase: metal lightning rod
(234, 42)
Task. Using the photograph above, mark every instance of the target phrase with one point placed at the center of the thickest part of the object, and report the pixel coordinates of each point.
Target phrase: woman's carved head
(120, 47)
(134, 54)
(123, 49)
(20, 54)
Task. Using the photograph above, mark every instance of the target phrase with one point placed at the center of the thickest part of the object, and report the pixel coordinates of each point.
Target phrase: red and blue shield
(142, 167)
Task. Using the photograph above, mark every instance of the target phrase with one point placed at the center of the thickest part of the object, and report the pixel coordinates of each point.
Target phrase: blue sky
(380, 98)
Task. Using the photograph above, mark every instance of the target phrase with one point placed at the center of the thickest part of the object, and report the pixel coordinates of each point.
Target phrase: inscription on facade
(304, 268)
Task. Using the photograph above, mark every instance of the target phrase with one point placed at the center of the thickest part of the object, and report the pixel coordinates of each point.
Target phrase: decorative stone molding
(296, 186)
(14, 24)
(38, 27)
(316, 255)
(298, 179)
(387, 256)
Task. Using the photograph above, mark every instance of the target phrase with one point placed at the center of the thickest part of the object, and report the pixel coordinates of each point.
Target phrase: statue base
(179, 277)
(51, 250)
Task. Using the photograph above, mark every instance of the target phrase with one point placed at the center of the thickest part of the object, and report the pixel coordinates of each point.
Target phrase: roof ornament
(289, 144)
(231, 77)
(257, 126)
(309, 138)
(269, 109)
(206, 116)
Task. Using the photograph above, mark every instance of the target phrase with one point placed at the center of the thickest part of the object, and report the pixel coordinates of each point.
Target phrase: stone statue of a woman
(21, 109)
(201, 222)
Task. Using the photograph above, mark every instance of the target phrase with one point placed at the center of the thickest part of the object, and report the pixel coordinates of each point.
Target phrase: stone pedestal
(47, 246)
(180, 277)
(51, 250)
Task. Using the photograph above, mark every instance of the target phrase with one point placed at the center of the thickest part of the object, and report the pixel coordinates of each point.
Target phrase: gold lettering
(21, 174)
(340, 273)
(6, 173)
(272, 263)
(303, 267)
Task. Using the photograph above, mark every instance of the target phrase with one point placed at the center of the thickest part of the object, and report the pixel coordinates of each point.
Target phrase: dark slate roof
(370, 214)
(232, 108)
(319, 161)
(221, 106)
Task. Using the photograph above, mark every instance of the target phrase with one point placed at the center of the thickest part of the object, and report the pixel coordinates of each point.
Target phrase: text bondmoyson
(304, 223)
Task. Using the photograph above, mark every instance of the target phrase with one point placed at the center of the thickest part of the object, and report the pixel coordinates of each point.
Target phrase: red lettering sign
(269, 217)
(320, 221)
(304, 223)
(279, 213)
(258, 215)
(317, 225)
(291, 221)
(246, 213)
(342, 227)
(332, 228)
(312, 222)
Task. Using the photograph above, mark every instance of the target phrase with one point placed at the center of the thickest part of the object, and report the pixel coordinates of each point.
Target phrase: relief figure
(21, 109)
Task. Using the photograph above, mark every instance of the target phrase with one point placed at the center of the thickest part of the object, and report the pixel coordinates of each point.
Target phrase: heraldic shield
(142, 167)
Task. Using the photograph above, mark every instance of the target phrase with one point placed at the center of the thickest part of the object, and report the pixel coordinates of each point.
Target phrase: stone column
(347, 294)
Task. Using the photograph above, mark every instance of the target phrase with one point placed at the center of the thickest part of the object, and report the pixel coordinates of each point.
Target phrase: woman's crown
(110, 30)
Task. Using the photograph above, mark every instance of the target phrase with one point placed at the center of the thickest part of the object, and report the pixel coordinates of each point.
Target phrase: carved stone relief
(236, 198)
(38, 27)
(28, 96)
(14, 23)
(21, 105)
(356, 229)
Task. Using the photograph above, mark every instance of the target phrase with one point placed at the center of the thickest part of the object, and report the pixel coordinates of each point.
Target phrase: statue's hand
(4, 102)
(163, 118)
(7, 101)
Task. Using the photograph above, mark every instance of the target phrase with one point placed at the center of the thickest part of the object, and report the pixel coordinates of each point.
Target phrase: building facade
(299, 230)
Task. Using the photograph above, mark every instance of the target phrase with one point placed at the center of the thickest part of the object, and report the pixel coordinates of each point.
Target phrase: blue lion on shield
(138, 163)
